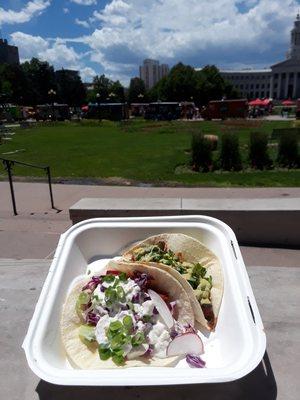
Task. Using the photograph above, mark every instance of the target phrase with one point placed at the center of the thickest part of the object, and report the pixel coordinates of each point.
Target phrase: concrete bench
(260, 222)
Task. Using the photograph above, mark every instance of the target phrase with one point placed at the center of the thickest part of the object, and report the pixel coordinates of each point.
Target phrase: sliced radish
(162, 308)
(188, 343)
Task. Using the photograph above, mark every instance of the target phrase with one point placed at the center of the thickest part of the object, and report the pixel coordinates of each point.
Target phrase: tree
(137, 91)
(106, 90)
(116, 92)
(212, 86)
(40, 78)
(101, 87)
(70, 89)
(183, 83)
(13, 83)
(179, 85)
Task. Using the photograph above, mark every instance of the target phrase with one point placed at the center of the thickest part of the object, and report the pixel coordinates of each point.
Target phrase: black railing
(8, 164)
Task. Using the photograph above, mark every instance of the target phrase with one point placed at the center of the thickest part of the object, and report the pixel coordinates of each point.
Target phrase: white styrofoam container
(232, 351)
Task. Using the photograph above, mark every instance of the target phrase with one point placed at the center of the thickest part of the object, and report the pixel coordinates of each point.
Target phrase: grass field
(139, 150)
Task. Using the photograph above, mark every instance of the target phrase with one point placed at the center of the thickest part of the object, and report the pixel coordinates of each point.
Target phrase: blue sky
(114, 36)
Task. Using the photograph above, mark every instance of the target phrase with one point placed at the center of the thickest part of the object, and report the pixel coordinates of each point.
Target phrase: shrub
(288, 155)
(258, 152)
(201, 153)
(213, 139)
(230, 158)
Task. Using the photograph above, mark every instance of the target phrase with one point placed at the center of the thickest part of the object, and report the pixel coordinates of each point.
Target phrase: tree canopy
(29, 84)
(137, 91)
(105, 90)
(184, 83)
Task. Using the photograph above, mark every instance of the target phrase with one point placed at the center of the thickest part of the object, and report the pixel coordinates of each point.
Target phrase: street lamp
(111, 96)
(52, 94)
(140, 96)
(98, 101)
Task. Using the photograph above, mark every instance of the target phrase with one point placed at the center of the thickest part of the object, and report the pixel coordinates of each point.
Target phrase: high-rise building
(151, 72)
(8, 54)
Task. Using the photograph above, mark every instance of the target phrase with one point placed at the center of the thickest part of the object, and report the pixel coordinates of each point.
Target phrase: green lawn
(139, 150)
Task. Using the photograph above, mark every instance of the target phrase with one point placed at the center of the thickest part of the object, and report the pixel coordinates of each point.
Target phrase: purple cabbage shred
(173, 333)
(189, 329)
(142, 279)
(195, 361)
(92, 318)
(93, 283)
(149, 352)
(136, 298)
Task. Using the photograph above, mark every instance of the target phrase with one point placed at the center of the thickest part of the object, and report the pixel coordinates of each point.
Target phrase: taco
(127, 317)
(192, 264)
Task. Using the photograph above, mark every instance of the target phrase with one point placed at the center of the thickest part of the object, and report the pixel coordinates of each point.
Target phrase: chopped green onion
(193, 281)
(123, 277)
(83, 299)
(110, 296)
(87, 334)
(127, 322)
(108, 278)
(115, 326)
(198, 271)
(138, 339)
(104, 352)
(118, 359)
(117, 341)
(120, 293)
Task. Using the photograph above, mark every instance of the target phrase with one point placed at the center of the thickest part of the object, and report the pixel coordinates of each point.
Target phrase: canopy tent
(256, 103)
(288, 102)
(260, 103)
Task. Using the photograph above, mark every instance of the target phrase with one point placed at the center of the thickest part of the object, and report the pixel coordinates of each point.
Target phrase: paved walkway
(34, 233)
(277, 377)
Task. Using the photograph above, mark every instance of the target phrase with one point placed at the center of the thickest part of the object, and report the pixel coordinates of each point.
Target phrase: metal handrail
(8, 164)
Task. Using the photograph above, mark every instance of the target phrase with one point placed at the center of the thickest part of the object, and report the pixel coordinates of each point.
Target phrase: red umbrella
(256, 103)
(288, 102)
(266, 102)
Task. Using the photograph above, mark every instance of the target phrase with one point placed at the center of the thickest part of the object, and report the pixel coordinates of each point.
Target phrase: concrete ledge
(260, 222)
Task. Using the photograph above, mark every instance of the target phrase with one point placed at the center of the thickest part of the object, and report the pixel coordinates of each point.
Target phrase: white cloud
(87, 74)
(31, 9)
(223, 32)
(66, 10)
(29, 46)
(196, 32)
(85, 2)
(80, 22)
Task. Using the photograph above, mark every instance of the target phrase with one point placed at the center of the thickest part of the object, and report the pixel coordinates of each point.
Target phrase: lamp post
(140, 96)
(98, 107)
(112, 96)
(52, 94)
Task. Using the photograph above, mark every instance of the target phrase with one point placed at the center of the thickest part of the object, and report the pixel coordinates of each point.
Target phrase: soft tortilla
(83, 357)
(192, 251)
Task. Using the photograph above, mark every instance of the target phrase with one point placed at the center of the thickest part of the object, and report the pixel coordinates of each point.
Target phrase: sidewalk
(35, 231)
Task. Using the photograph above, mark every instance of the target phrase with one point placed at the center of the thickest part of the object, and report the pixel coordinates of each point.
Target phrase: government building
(280, 81)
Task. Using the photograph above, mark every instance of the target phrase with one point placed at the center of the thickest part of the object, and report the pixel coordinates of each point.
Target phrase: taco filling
(195, 274)
(124, 319)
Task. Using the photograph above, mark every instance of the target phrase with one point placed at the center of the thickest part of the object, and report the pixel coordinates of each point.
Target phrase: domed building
(280, 81)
